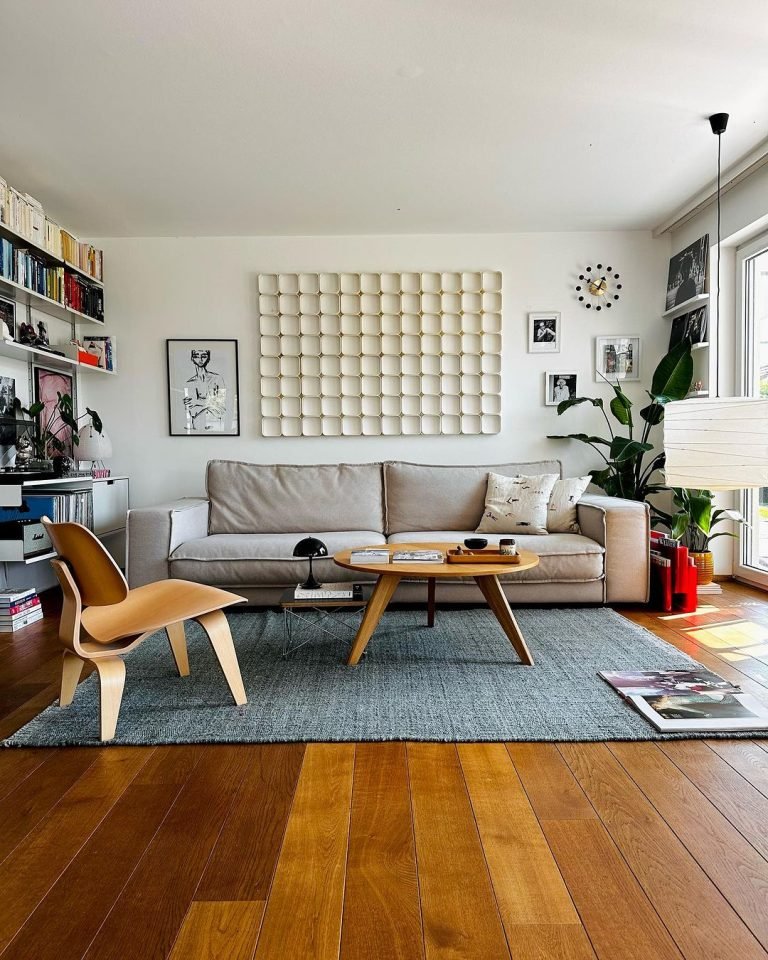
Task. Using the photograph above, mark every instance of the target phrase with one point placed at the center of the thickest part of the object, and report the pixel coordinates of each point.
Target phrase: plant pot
(705, 566)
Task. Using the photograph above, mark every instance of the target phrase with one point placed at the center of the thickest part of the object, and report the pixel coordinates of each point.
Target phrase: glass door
(752, 262)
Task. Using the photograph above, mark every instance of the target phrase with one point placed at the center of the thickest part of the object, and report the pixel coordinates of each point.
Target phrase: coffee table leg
(382, 594)
(431, 602)
(499, 604)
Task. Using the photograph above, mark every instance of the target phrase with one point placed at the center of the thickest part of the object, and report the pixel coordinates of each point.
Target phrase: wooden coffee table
(390, 574)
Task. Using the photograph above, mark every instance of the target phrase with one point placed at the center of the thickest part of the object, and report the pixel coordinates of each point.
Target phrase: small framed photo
(544, 332)
(559, 387)
(203, 388)
(8, 317)
(617, 358)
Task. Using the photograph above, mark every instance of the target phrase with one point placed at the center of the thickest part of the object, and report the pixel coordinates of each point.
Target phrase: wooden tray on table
(486, 555)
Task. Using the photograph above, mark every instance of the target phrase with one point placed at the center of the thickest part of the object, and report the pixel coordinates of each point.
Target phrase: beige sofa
(242, 535)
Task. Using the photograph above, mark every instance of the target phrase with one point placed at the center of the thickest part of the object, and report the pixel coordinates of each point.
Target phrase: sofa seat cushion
(256, 559)
(563, 557)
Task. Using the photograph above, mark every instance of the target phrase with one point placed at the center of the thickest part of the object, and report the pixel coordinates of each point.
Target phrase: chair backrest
(98, 577)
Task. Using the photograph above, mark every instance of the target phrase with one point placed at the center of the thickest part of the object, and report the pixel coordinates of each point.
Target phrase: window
(752, 260)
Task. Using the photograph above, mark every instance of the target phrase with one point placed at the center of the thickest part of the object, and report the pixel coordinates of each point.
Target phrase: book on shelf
(329, 591)
(104, 349)
(84, 256)
(83, 296)
(694, 700)
(418, 556)
(369, 556)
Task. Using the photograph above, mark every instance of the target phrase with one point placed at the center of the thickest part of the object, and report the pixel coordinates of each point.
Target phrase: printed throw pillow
(561, 515)
(517, 504)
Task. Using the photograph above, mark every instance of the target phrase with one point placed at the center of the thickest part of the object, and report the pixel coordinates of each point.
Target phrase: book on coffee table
(418, 556)
(369, 556)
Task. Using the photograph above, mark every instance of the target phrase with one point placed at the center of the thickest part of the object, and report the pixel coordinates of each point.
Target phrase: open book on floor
(676, 701)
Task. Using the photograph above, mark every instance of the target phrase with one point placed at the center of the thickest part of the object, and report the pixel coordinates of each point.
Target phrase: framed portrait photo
(544, 332)
(617, 358)
(559, 387)
(203, 388)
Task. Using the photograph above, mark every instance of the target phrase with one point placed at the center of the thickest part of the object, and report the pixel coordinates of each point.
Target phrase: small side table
(315, 613)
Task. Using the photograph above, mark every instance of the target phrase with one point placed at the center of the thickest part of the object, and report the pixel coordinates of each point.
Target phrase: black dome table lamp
(310, 547)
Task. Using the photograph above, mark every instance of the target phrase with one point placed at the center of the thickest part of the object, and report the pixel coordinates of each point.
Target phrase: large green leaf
(681, 523)
(575, 401)
(583, 437)
(700, 510)
(673, 376)
(95, 419)
(621, 411)
(624, 449)
(653, 413)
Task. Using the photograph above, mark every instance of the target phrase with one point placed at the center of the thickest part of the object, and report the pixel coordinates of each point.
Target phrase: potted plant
(45, 434)
(626, 472)
(692, 525)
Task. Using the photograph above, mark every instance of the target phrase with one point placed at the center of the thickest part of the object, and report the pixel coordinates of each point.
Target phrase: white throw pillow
(517, 504)
(561, 515)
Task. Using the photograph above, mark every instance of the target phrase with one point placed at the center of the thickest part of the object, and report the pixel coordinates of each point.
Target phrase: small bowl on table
(475, 543)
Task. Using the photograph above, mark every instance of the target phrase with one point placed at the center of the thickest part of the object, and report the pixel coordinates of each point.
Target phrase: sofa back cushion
(424, 497)
(282, 498)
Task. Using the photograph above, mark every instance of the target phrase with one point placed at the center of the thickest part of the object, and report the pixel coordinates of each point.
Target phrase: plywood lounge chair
(102, 619)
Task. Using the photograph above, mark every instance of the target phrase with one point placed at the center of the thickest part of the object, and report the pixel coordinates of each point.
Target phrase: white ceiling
(229, 117)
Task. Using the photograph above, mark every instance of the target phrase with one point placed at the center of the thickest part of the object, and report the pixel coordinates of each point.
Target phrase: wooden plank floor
(390, 851)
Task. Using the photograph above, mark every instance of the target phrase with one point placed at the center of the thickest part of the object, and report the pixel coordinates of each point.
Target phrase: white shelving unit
(698, 301)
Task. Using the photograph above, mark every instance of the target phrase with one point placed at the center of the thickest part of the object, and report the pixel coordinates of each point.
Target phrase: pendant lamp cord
(717, 280)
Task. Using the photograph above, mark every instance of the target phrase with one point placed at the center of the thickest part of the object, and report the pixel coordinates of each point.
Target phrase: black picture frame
(8, 317)
(203, 404)
(688, 272)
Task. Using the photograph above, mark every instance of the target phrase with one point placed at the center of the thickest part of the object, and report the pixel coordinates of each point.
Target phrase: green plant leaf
(653, 413)
(98, 426)
(680, 524)
(575, 401)
(620, 411)
(583, 437)
(673, 376)
(623, 449)
(700, 511)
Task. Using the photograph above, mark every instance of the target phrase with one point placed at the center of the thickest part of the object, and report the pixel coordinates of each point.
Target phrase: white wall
(188, 287)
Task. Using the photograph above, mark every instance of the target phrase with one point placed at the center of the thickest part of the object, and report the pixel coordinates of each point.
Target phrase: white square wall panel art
(372, 354)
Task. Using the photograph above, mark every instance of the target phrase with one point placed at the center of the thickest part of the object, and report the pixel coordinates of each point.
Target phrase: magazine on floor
(646, 683)
(703, 712)
(696, 700)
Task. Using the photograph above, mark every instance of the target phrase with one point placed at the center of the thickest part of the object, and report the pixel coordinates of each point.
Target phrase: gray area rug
(459, 681)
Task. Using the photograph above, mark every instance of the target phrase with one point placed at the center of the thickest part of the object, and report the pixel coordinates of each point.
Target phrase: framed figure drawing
(203, 388)
(544, 332)
(617, 358)
(559, 387)
(48, 385)
(687, 273)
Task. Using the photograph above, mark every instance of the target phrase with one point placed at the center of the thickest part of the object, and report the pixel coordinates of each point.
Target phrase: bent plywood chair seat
(102, 619)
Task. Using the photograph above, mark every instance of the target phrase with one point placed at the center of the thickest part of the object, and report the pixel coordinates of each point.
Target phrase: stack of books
(19, 608)
(418, 556)
(25, 216)
(369, 556)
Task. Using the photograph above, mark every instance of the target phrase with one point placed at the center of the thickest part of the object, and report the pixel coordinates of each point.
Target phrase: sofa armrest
(155, 532)
(622, 527)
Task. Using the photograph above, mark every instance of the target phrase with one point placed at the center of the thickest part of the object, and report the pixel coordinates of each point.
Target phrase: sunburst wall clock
(599, 287)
